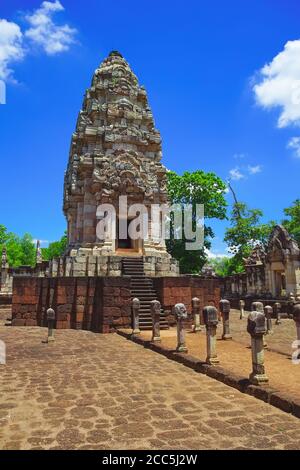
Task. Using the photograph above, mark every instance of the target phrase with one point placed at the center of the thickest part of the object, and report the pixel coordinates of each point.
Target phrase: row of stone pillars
(207, 317)
(276, 310)
(259, 324)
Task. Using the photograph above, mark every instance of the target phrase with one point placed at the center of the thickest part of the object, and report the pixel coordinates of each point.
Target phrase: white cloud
(253, 170)
(214, 255)
(52, 38)
(294, 144)
(45, 33)
(235, 174)
(280, 84)
(11, 48)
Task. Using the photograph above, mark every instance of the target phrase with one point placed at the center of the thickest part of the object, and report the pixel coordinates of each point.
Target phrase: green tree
(28, 250)
(14, 251)
(195, 188)
(226, 266)
(20, 250)
(4, 235)
(55, 249)
(292, 224)
(246, 231)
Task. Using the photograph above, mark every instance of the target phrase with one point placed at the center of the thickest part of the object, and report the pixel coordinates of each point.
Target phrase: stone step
(139, 294)
(133, 265)
(145, 321)
(134, 272)
(142, 288)
(143, 291)
(145, 316)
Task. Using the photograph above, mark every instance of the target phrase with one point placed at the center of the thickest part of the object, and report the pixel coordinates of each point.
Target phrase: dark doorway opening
(124, 243)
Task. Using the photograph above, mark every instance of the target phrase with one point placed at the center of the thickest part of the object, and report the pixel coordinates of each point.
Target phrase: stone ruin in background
(271, 274)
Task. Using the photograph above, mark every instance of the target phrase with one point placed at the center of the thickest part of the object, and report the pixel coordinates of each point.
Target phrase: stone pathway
(92, 391)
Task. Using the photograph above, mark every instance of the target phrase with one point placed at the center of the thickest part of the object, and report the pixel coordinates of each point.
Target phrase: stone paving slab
(92, 391)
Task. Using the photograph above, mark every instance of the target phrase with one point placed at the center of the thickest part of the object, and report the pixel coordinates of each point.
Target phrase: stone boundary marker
(265, 393)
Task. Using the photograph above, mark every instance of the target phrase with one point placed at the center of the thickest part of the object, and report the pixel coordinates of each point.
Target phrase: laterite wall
(100, 304)
(89, 303)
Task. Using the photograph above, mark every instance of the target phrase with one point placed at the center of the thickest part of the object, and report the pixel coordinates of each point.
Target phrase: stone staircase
(142, 288)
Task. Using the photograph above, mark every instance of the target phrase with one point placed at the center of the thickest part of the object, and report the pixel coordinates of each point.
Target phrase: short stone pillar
(180, 313)
(277, 312)
(291, 302)
(135, 316)
(210, 315)
(292, 297)
(242, 308)
(196, 314)
(256, 327)
(259, 307)
(50, 320)
(268, 314)
(155, 313)
(296, 318)
(225, 311)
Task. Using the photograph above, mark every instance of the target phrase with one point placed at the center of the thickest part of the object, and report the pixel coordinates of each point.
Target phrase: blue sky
(199, 62)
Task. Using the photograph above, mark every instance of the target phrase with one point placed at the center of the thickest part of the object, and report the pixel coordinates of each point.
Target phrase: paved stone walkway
(92, 391)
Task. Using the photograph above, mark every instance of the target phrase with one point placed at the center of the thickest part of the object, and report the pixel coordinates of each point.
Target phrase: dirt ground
(235, 355)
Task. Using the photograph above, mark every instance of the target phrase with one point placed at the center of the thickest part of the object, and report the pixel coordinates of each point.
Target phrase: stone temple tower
(115, 151)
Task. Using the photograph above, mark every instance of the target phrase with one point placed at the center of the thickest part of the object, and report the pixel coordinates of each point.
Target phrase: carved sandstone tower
(115, 151)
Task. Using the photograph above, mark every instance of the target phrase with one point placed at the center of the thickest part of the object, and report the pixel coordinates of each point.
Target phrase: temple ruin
(271, 273)
(115, 151)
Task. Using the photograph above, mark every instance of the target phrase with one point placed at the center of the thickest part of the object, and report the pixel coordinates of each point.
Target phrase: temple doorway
(279, 282)
(127, 245)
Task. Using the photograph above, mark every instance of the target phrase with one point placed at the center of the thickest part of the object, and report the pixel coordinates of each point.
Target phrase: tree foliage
(292, 224)
(55, 249)
(225, 266)
(245, 233)
(21, 251)
(196, 188)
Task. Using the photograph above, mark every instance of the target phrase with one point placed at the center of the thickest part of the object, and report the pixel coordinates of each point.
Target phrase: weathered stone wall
(183, 288)
(97, 304)
(100, 304)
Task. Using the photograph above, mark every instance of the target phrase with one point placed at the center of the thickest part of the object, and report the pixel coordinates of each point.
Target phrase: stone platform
(100, 304)
(90, 391)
